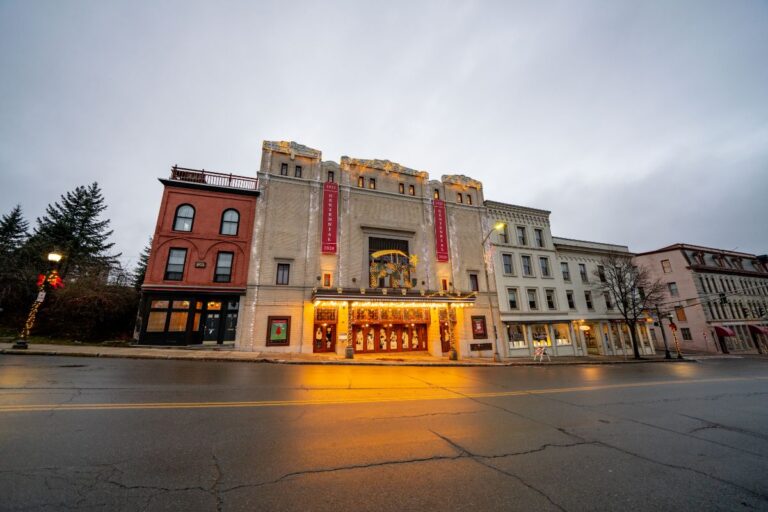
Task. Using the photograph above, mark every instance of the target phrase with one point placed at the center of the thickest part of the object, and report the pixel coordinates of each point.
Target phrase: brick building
(717, 299)
(199, 259)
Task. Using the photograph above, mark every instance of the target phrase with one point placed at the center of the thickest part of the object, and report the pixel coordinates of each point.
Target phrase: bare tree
(633, 290)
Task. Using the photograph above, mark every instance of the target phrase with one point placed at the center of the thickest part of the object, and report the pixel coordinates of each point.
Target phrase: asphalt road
(111, 434)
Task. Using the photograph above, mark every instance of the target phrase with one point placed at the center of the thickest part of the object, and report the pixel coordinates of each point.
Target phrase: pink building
(717, 300)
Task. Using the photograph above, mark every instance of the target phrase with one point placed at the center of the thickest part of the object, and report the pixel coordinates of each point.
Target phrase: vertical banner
(441, 230)
(330, 216)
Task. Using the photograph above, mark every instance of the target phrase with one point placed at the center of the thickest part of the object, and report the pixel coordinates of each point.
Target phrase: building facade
(717, 300)
(547, 292)
(367, 254)
(199, 259)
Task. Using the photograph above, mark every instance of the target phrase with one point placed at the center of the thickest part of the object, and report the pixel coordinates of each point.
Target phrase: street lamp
(497, 227)
(49, 280)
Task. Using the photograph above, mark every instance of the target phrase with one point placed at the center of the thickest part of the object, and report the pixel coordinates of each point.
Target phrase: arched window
(230, 220)
(185, 215)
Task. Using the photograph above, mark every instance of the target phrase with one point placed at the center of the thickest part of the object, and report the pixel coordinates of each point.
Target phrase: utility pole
(667, 355)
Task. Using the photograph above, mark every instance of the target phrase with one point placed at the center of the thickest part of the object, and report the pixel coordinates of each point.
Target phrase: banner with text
(330, 216)
(441, 230)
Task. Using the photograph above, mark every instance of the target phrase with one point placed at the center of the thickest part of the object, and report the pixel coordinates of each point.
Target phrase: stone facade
(379, 202)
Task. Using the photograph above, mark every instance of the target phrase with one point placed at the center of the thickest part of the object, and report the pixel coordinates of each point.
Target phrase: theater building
(367, 254)
(717, 299)
(199, 259)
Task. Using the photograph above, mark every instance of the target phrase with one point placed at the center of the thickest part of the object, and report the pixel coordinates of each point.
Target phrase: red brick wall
(204, 241)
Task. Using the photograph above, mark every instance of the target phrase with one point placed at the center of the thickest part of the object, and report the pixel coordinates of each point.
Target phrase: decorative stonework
(461, 180)
(383, 165)
(291, 148)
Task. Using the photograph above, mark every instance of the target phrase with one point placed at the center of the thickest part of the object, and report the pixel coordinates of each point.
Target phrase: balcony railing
(216, 179)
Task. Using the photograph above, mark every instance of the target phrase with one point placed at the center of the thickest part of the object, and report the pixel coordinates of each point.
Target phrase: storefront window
(516, 336)
(159, 304)
(540, 335)
(562, 334)
(177, 304)
(214, 306)
(178, 321)
(156, 321)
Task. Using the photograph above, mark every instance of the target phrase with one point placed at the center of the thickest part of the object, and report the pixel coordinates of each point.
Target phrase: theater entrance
(389, 329)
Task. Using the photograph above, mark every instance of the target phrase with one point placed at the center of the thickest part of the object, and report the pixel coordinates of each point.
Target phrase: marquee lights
(390, 304)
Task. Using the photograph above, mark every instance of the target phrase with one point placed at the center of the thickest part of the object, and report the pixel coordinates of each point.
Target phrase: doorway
(324, 338)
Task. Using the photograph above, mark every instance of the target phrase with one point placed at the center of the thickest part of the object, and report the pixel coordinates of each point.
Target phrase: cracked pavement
(637, 437)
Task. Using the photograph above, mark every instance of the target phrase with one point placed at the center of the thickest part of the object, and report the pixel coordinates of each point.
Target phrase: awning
(724, 331)
(759, 329)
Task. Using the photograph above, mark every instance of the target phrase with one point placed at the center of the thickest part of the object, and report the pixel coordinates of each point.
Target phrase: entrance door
(445, 338)
(211, 327)
(591, 341)
(324, 338)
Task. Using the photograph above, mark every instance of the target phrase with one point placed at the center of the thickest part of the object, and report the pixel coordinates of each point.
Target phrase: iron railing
(216, 179)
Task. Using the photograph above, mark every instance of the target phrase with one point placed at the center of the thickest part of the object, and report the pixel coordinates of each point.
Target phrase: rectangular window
(156, 321)
(588, 299)
(327, 280)
(512, 296)
(666, 267)
(544, 265)
(411, 190)
(297, 171)
(506, 262)
(283, 273)
(444, 285)
(686, 332)
(527, 266)
(566, 271)
(469, 199)
(607, 297)
(283, 169)
(673, 289)
(401, 188)
(331, 176)
(178, 321)
(522, 239)
(571, 302)
(680, 314)
(174, 270)
(360, 182)
(601, 273)
(539, 237)
(551, 301)
(504, 235)
(583, 273)
(532, 302)
(473, 284)
(459, 198)
(371, 183)
(223, 272)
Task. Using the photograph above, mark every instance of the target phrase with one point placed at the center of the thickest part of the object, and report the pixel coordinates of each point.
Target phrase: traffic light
(723, 298)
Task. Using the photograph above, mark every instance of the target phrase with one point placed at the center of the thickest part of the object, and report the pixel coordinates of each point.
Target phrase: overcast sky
(638, 123)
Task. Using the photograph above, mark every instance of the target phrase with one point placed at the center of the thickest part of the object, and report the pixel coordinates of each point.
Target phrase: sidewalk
(204, 354)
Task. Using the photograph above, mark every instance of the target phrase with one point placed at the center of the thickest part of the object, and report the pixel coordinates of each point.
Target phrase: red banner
(330, 216)
(441, 230)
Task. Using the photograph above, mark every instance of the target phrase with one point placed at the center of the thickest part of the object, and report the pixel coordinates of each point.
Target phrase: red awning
(759, 329)
(724, 331)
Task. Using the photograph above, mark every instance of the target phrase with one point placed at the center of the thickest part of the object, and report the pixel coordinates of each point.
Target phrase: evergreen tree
(15, 275)
(141, 267)
(73, 225)
(13, 231)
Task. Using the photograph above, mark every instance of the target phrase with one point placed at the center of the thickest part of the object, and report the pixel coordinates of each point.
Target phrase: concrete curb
(343, 362)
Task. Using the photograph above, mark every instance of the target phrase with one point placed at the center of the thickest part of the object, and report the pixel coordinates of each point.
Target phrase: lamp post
(49, 280)
(497, 227)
